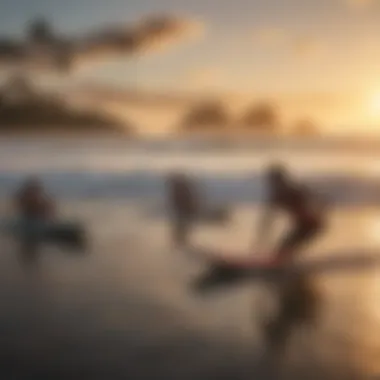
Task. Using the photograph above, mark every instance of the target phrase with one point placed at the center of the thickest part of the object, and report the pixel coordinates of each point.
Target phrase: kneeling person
(37, 218)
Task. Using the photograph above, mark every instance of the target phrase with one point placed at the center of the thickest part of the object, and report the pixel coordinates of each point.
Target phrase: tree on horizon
(261, 117)
(211, 114)
(305, 128)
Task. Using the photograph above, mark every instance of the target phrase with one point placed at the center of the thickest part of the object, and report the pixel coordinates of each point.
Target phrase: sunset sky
(320, 53)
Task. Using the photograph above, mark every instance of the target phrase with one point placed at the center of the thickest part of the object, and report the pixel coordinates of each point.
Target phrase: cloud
(208, 80)
(204, 77)
(280, 39)
(306, 47)
(51, 52)
(149, 35)
(270, 37)
(168, 30)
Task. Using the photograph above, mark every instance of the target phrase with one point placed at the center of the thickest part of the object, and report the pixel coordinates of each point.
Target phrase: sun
(374, 104)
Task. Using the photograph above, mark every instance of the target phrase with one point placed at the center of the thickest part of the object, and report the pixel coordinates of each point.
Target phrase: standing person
(184, 205)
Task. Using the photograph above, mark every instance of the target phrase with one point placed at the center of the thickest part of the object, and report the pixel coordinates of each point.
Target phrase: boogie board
(68, 234)
(63, 233)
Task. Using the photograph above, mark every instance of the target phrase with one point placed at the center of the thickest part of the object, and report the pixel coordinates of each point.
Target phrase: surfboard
(246, 262)
(224, 270)
(235, 259)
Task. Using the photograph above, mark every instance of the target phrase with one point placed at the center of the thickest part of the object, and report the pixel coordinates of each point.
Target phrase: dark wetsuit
(34, 209)
(184, 206)
(33, 206)
(306, 213)
(182, 199)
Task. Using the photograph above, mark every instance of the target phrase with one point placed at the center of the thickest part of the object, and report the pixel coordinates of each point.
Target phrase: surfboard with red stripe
(237, 260)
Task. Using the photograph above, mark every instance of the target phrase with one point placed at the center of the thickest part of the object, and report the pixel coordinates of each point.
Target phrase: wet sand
(126, 309)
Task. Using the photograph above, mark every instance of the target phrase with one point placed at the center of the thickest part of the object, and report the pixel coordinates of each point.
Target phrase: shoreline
(202, 142)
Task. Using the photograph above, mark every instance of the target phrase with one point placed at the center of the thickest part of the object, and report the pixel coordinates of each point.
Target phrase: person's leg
(181, 227)
(297, 239)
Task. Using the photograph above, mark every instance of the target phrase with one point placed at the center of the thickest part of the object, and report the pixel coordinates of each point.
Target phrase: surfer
(37, 219)
(35, 210)
(184, 204)
(32, 202)
(306, 212)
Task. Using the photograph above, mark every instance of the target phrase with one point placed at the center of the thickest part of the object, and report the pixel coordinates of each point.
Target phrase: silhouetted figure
(184, 204)
(188, 206)
(33, 203)
(37, 221)
(40, 32)
(305, 209)
(34, 210)
(297, 297)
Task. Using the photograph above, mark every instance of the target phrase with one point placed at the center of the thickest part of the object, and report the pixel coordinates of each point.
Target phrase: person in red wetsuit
(184, 205)
(32, 202)
(306, 211)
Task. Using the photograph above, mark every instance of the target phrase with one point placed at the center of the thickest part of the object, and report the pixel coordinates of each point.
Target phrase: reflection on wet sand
(126, 309)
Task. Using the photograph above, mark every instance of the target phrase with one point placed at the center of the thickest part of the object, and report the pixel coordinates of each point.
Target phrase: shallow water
(126, 310)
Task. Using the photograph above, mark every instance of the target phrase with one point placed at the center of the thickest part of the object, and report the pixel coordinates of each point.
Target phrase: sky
(290, 49)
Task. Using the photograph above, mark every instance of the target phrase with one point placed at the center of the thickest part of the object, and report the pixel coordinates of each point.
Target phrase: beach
(126, 309)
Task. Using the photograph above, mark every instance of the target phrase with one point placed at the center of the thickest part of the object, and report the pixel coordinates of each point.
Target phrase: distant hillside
(27, 116)
(24, 110)
(211, 115)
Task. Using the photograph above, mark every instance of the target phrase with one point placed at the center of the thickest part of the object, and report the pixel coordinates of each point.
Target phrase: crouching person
(36, 220)
(34, 211)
